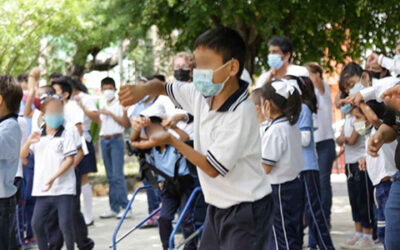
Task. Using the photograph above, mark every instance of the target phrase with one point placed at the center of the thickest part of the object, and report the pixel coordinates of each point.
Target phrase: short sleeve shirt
(281, 149)
(50, 153)
(229, 139)
(305, 123)
(90, 104)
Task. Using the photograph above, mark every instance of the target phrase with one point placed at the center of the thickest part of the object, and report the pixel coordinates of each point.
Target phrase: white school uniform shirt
(35, 120)
(226, 136)
(108, 125)
(50, 153)
(323, 118)
(23, 125)
(383, 165)
(292, 69)
(281, 148)
(73, 114)
(379, 86)
(391, 64)
(90, 104)
(353, 153)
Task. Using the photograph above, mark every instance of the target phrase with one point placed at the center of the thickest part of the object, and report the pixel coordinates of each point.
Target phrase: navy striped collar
(235, 99)
(58, 133)
(279, 119)
(13, 116)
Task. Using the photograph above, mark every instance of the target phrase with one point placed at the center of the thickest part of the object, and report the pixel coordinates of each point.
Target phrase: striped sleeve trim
(268, 162)
(72, 152)
(170, 93)
(216, 164)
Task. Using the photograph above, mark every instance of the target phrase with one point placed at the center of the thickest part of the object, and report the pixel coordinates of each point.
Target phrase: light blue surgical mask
(346, 108)
(54, 121)
(203, 81)
(356, 88)
(397, 58)
(275, 61)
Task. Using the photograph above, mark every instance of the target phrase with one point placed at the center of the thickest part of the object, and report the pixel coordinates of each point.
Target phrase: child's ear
(234, 68)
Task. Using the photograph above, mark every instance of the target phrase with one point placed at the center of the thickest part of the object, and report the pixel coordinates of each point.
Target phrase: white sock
(87, 200)
(368, 236)
(359, 235)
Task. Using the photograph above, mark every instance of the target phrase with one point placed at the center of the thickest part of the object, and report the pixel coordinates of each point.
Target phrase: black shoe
(90, 223)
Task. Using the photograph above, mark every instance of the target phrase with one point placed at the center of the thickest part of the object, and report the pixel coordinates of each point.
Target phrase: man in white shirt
(279, 60)
(114, 120)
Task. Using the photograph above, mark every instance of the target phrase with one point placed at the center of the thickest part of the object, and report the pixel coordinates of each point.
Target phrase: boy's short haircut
(64, 83)
(158, 76)
(226, 42)
(108, 81)
(48, 89)
(55, 75)
(256, 95)
(284, 43)
(11, 93)
(22, 78)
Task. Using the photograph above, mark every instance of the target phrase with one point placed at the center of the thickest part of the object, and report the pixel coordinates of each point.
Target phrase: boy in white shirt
(226, 149)
(54, 182)
(114, 121)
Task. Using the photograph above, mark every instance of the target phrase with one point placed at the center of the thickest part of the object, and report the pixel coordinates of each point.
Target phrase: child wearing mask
(113, 122)
(283, 161)
(54, 182)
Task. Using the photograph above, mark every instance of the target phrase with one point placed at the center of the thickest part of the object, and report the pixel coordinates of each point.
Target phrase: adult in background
(324, 137)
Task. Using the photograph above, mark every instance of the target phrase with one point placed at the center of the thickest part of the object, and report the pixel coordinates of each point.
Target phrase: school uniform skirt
(88, 163)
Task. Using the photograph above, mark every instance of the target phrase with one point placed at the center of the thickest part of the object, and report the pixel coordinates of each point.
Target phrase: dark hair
(157, 76)
(77, 84)
(48, 89)
(284, 43)
(55, 75)
(308, 96)
(11, 93)
(226, 42)
(22, 78)
(108, 81)
(314, 68)
(155, 120)
(350, 70)
(290, 107)
(255, 96)
(65, 85)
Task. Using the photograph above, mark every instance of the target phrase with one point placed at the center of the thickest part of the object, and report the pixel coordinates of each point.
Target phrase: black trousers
(247, 225)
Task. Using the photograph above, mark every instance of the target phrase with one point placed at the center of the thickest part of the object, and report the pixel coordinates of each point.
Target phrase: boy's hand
(392, 97)
(139, 122)
(49, 184)
(34, 137)
(33, 79)
(35, 73)
(362, 164)
(355, 99)
(170, 123)
(374, 144)
(373, 59)
(128, 95)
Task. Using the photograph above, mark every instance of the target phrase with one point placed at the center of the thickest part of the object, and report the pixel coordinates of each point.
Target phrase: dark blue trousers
(381, 195)
(288, 215)
(153, 197)
(7, 218)
(243, 226)
(361, 198)
(169, 207)
(326, 156)
(392, 212)
(63, 205)
(29, 199)
(55, 237)
(318, 228)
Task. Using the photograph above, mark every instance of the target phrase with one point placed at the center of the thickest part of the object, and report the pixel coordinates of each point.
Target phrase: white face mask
(361, 128)
(109, 94)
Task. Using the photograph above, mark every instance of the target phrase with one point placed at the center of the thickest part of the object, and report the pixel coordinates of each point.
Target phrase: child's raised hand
(34, 137)
(139, 122)
(35, 73)
(33, 79)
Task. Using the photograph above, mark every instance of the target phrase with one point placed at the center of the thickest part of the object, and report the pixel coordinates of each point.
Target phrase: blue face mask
(356, 88)
(275, 61)
(203, 81)
(397, 58)
(54, 121)
(346, 108)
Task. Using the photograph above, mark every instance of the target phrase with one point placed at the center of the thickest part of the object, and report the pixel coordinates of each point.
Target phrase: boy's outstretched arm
(131, 94)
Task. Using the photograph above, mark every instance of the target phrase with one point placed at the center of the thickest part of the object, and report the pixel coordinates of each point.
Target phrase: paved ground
(148, 239)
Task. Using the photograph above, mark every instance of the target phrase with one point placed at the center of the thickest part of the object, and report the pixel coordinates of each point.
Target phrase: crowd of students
(263, 158)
